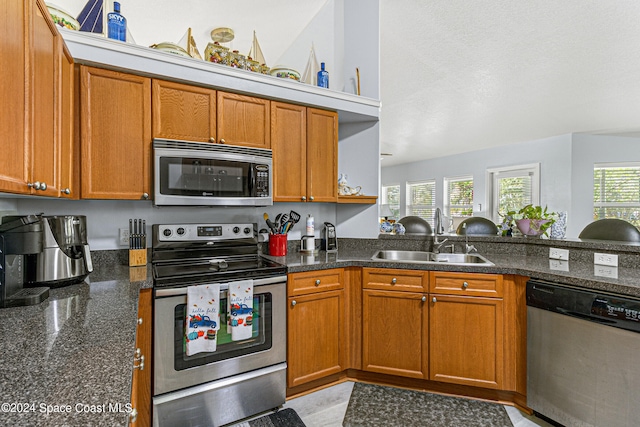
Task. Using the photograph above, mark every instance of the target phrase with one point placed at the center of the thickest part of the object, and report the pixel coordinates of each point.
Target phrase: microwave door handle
(252, 179)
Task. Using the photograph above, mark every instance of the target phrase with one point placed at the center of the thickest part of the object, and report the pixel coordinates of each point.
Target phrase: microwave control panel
(262, 180)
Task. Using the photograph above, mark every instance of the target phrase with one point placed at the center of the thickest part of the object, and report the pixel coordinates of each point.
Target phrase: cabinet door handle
(140, 364)
(212, 139)
(394, 281)
(145, 196)
(317, 282)
(43, 186)
(35, 185)
(139, 320)
(293, 303)
(304, 198)
(424, 298)
(311, 198)
(465, 285)
(434, 299)
(222, 141)
(66, 191)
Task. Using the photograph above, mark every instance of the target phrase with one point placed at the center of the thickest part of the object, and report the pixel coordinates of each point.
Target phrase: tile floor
(326, 408)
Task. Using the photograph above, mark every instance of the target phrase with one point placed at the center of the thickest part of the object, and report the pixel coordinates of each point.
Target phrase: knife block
(137, 257)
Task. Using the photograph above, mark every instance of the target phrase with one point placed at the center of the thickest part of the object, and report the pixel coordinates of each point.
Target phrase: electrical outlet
(605, 271)
(124, 237)
(605, 259)
(555, 253)
(556, 264)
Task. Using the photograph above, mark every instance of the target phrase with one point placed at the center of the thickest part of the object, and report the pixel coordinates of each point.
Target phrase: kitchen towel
(203, 318)
(241, 309)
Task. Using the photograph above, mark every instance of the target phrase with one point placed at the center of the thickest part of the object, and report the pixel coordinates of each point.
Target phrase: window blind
(421, 199)
(616, 192)
(459, 197)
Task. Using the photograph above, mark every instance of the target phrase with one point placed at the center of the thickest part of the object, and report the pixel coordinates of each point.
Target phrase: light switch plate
(605, 271)
(555, 253)
(605, 259)
(559, 265)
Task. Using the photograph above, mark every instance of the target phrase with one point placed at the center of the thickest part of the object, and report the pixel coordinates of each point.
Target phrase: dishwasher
(583, 356)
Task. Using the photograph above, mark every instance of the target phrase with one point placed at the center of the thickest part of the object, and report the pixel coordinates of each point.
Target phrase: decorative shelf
(369, 200)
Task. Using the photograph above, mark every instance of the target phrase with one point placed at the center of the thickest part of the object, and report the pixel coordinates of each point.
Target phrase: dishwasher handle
(584, 316)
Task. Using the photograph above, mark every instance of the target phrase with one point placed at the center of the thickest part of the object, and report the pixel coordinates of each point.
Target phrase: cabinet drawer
(397, 280)
(315, 281)
(471, 284)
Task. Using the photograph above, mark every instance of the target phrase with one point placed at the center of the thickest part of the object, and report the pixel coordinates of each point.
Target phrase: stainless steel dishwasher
(583, 356)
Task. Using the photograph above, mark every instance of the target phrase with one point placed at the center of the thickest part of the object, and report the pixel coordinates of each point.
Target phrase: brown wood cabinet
(466, 333)
(316, 326)
(183, 112)
(33, 77)
(115, 115)
(395, 322)
(69, 167)
(141, 382)
(243, 120)
(305, 150)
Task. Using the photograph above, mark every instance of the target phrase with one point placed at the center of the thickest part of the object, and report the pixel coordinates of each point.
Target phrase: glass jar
(217, 54)
(237, 60)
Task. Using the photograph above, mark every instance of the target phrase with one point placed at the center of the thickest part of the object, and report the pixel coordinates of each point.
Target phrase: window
(458, 197)
(421, 199)
(391, 198)
(616, 191)
(512, 188)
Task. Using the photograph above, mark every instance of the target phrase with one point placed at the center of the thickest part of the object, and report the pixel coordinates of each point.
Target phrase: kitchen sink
(422, 257)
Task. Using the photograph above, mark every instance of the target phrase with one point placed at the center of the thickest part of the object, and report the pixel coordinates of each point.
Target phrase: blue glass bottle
(116, 24)
(323, 76)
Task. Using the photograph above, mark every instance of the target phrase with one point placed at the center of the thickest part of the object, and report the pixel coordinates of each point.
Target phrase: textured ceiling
(459, 76)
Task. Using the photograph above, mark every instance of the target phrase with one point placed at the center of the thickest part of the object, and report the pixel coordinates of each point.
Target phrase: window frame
(384, 199)
(603, 205)
(445, 190)
(493, 174)
(408, 206)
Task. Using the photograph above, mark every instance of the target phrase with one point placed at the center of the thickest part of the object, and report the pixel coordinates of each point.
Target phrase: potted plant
(533, 220)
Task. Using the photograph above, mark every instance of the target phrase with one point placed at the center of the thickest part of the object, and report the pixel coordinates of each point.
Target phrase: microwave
(207, 174)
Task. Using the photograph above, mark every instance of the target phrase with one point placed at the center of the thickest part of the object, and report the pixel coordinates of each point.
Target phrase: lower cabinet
(395, 333)
(316, 326)
(141, 384)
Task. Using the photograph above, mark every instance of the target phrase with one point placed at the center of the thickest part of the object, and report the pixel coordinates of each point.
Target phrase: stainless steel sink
(421, 257)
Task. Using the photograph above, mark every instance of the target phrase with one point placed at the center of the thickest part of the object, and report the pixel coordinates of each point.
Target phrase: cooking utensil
(283, 221)
(270, 224)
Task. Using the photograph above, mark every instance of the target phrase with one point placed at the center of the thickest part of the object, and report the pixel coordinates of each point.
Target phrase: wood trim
(141, 382)
(515, 333)
(353, 316)
(369, 200)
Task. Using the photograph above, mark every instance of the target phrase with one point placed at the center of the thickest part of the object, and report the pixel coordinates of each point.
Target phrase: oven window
(226, 348)
(204, 177)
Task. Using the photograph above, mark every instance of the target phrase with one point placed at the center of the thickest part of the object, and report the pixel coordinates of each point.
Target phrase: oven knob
(247, 230)
(166, 232)
(180, 231)
(236, 230)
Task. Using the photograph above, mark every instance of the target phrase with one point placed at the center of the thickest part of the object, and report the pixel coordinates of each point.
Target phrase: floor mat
(380, 406)
(284, 418)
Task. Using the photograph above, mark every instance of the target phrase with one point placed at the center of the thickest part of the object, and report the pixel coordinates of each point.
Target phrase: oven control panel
(203, 232)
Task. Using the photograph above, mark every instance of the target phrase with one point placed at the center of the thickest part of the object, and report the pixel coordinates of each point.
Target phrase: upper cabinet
(305, 145)
(39, 121)
(115, 127)
(243, 120)
(183, 112)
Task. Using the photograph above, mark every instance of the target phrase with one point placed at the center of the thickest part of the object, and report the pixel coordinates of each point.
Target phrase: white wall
(566, 171)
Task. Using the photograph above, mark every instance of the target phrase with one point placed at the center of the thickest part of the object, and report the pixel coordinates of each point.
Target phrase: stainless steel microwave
(206, 174)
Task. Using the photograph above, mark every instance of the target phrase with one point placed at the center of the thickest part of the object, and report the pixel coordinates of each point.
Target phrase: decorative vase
(531, 227)
(559, 227)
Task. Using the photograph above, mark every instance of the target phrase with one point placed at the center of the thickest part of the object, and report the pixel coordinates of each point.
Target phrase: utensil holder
(278, 244)
(137, 257)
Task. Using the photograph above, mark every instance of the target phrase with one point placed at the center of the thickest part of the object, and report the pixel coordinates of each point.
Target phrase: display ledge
(96, 50)
(369, 200)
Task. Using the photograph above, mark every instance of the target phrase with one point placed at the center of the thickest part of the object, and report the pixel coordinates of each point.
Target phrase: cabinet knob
(293, 303)
(35, 185)
(304, 198)
(434, 299)
(212, 139)
(137, 353)
(43, 186)
(140, 364)
(133, 415)
(465, 285)
(424, 298)
(394, 281)
(311, 198)
(145, 196)
(139, 320)
(66, 191)
(317, 282)
(222, 141)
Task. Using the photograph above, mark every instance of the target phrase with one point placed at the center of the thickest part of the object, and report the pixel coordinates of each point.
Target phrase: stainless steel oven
(240, 378)
(206, 174)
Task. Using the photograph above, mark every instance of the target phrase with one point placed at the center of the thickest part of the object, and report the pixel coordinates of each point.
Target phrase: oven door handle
(168, 292)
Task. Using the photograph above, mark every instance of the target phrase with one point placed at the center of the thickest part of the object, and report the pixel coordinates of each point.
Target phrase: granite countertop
(72, 353)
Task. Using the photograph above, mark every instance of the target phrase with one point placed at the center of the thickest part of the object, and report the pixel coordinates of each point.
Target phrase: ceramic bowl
(287, 73)
(62, 18)
(171, 48)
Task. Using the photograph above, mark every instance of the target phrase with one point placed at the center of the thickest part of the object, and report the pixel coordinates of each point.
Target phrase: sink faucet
(467, 248)
(437, 225)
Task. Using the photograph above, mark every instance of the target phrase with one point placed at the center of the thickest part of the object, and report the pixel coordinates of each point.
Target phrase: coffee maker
(65, 257)
(20, 237)
(328, 238)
